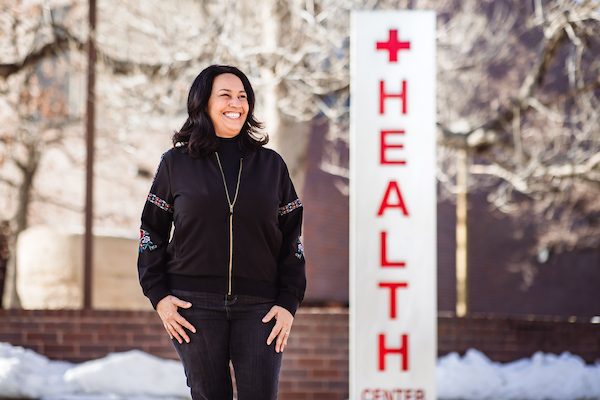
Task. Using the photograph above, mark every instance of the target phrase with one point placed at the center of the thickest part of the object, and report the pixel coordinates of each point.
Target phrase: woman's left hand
(282, 327)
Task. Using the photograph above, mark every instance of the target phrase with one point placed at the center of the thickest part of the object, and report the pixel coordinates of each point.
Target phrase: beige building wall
(50, 271)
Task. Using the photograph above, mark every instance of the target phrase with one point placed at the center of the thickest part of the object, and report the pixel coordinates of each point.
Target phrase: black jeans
(228, 328)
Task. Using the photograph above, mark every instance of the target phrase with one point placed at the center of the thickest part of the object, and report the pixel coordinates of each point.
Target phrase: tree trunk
(4, 254)
(462, 281)
(28, 170)
(288, 137)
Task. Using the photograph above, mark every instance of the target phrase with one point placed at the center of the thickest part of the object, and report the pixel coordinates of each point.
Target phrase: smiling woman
(228, 105)
(228, 282)
(219, 89)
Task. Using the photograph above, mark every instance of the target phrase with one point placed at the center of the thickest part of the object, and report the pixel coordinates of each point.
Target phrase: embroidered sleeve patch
(289, 207)
(299, 249)
(146, 242)
(160, 203)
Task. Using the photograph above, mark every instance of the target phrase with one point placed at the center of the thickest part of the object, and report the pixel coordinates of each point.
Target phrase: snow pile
(543, 376)
(24, 373)
(128, 373)
(131, 375)
(135, 375)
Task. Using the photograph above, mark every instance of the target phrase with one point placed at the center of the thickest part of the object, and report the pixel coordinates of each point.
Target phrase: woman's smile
(232, 115)
(228, 105)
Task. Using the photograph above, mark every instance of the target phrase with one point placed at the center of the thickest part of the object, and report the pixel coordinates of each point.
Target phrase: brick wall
(507, 338)
(80, 335)
(315, 361)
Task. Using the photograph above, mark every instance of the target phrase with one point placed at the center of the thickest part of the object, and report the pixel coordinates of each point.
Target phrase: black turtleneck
(229, 154)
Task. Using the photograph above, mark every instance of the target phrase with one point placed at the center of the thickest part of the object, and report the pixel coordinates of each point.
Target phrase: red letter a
(393, 185)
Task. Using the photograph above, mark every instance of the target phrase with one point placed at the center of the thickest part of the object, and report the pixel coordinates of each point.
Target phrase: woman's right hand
(172, 320)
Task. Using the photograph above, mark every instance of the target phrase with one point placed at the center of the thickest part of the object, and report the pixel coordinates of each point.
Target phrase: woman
(228, 282)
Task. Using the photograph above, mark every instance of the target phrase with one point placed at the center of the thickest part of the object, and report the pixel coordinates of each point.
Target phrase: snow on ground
(543, 376)
(127, 375)
(135, 375)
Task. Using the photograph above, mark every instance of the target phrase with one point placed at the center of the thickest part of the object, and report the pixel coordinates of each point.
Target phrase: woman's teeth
(232, 115)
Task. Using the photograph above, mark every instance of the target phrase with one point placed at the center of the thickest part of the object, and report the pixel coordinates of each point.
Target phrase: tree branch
(9, 182)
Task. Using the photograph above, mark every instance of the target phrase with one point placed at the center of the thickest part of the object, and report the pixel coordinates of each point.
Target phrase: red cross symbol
(393, 46)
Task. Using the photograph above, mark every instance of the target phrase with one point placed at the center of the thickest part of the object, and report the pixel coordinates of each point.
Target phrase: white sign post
(393, 303)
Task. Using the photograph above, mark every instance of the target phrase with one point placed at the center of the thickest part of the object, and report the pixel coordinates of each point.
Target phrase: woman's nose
(235, 102)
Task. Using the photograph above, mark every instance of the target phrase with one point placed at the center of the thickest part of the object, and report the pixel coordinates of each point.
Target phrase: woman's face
(228, 105)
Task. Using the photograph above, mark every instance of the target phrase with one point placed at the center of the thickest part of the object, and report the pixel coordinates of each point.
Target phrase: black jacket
(255, 249)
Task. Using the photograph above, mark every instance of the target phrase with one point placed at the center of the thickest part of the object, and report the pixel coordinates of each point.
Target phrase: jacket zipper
(230, 217)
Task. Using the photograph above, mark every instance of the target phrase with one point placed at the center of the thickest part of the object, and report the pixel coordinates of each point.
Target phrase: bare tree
(518, 90)
(35, 116)
(527, 75)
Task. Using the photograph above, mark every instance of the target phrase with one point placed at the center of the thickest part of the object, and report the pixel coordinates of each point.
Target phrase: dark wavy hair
(198, 133)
